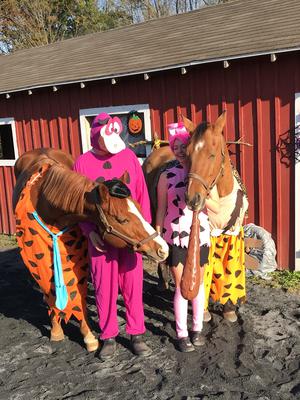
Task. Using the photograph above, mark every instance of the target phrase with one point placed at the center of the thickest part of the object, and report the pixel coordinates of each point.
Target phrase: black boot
(197, 338)
(108, 350)
(184, 345)
(139, 347)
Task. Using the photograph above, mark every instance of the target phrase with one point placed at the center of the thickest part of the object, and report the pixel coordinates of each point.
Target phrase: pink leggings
(181, 312)
(111, 270)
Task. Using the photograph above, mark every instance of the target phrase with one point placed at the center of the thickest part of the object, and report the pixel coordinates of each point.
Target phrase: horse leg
(89, 339)
(57, 334)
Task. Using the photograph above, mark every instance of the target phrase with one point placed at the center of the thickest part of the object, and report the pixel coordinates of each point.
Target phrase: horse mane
(199, 131)
(65, 189)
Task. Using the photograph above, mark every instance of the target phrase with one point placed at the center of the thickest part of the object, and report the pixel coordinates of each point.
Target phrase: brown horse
(210, 167)
(62, 198)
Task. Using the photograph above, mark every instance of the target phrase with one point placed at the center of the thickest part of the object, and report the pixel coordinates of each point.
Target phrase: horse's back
(37, 157)
(29, 162)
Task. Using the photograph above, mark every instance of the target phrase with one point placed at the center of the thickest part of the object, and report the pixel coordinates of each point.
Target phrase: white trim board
(10, 121)
(297, 189)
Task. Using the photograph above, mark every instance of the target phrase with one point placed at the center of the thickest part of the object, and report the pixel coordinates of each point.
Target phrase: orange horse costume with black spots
(37, 253)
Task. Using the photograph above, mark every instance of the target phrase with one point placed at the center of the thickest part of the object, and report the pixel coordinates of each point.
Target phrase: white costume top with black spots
(178, 218)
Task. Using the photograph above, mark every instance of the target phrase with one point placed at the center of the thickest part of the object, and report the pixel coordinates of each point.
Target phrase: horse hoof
(91, 343)
(230, 316)
(57, 337)
(206, 316)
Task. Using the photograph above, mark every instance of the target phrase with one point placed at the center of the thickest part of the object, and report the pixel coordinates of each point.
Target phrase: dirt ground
(256, 358)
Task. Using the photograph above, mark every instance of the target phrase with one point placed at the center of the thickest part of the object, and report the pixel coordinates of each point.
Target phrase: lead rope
(60, 287)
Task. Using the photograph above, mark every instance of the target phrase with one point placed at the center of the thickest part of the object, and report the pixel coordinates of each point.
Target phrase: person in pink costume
(112, 268)
(173, 222)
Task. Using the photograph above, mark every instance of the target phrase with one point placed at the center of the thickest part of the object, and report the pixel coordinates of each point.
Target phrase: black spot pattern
(226, 295)
(181, 212)
(36, 276)
(76, 308)
(30, 216)
(62, 315)
(39, 256)
(175, 202)
(174, 234)
(180, 185)
(82, 280)
(216, 255)
(33, 231)
(73, 295)
(175, 220)
(67, 269)
(29, 243)
(18, 222)
(170, 175)
(32, 263)
(217, 276)
(237, 273)
(239, 287)
(107, 165)
(183, 234)
(19, 233)
(71, 282)
(69, 257)
(228, 286)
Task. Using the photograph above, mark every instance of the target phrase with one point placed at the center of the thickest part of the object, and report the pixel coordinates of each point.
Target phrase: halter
(109, 229)
(206, 186)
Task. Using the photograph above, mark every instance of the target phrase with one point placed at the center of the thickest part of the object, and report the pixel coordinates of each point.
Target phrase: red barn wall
(258, 95)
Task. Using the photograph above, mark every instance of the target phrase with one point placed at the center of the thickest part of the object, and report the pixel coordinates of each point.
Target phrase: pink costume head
(109, 129)
(178, 131)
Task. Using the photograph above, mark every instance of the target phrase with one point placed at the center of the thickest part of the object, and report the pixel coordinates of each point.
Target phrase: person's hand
(97, 241)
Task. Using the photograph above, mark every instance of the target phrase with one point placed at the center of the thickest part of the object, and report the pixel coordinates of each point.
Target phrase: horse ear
(189, 125)
(220, 123)
(125, 178)
(98, 194)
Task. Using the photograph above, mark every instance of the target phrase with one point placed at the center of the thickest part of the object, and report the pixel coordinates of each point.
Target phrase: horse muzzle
(196, 202)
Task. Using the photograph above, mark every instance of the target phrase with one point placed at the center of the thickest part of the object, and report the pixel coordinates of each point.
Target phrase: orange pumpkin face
(135, 124)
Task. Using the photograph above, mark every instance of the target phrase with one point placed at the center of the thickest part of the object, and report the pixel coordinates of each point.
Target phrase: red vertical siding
(257, 94)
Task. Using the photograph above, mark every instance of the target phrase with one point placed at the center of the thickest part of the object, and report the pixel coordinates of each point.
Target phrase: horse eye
(122, 221)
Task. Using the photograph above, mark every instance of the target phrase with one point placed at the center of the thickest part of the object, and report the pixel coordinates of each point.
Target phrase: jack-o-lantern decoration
(135, 123)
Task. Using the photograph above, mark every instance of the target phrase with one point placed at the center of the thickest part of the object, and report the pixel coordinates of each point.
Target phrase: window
(136, 126)
(8, 142)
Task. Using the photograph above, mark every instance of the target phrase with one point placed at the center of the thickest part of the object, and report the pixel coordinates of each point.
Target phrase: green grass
(7, 241)
(286, 280)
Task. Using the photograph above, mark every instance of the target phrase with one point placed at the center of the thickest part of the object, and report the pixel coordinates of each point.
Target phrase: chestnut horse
(58, 198)
(210, 167)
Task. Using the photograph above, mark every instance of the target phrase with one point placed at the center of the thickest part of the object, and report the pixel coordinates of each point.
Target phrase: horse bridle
(207, 187)
(109, 229)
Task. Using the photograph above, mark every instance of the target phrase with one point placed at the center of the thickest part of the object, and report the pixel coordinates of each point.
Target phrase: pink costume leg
(131, 285)
(181, 311)
(104, 271)
(198, 309)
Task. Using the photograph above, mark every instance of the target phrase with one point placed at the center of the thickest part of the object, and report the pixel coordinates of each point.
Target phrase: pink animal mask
(109, 128)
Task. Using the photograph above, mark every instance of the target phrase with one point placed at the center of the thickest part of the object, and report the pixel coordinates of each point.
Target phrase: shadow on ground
(255, 358)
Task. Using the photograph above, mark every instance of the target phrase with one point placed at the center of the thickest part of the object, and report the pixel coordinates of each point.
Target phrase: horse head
(206, 153)
(121, 222)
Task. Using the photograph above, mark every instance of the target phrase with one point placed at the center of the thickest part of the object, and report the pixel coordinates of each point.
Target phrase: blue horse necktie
(60, 287)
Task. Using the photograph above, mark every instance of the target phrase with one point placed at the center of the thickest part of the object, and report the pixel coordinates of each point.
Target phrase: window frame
(10, 121)
(125, 109)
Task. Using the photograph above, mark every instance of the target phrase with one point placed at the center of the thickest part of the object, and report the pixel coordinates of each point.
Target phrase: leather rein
(109, 229)
(207, 187)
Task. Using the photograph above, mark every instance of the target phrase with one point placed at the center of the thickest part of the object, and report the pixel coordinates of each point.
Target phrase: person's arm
(213, 201)
(162, 200)
(142, 195)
